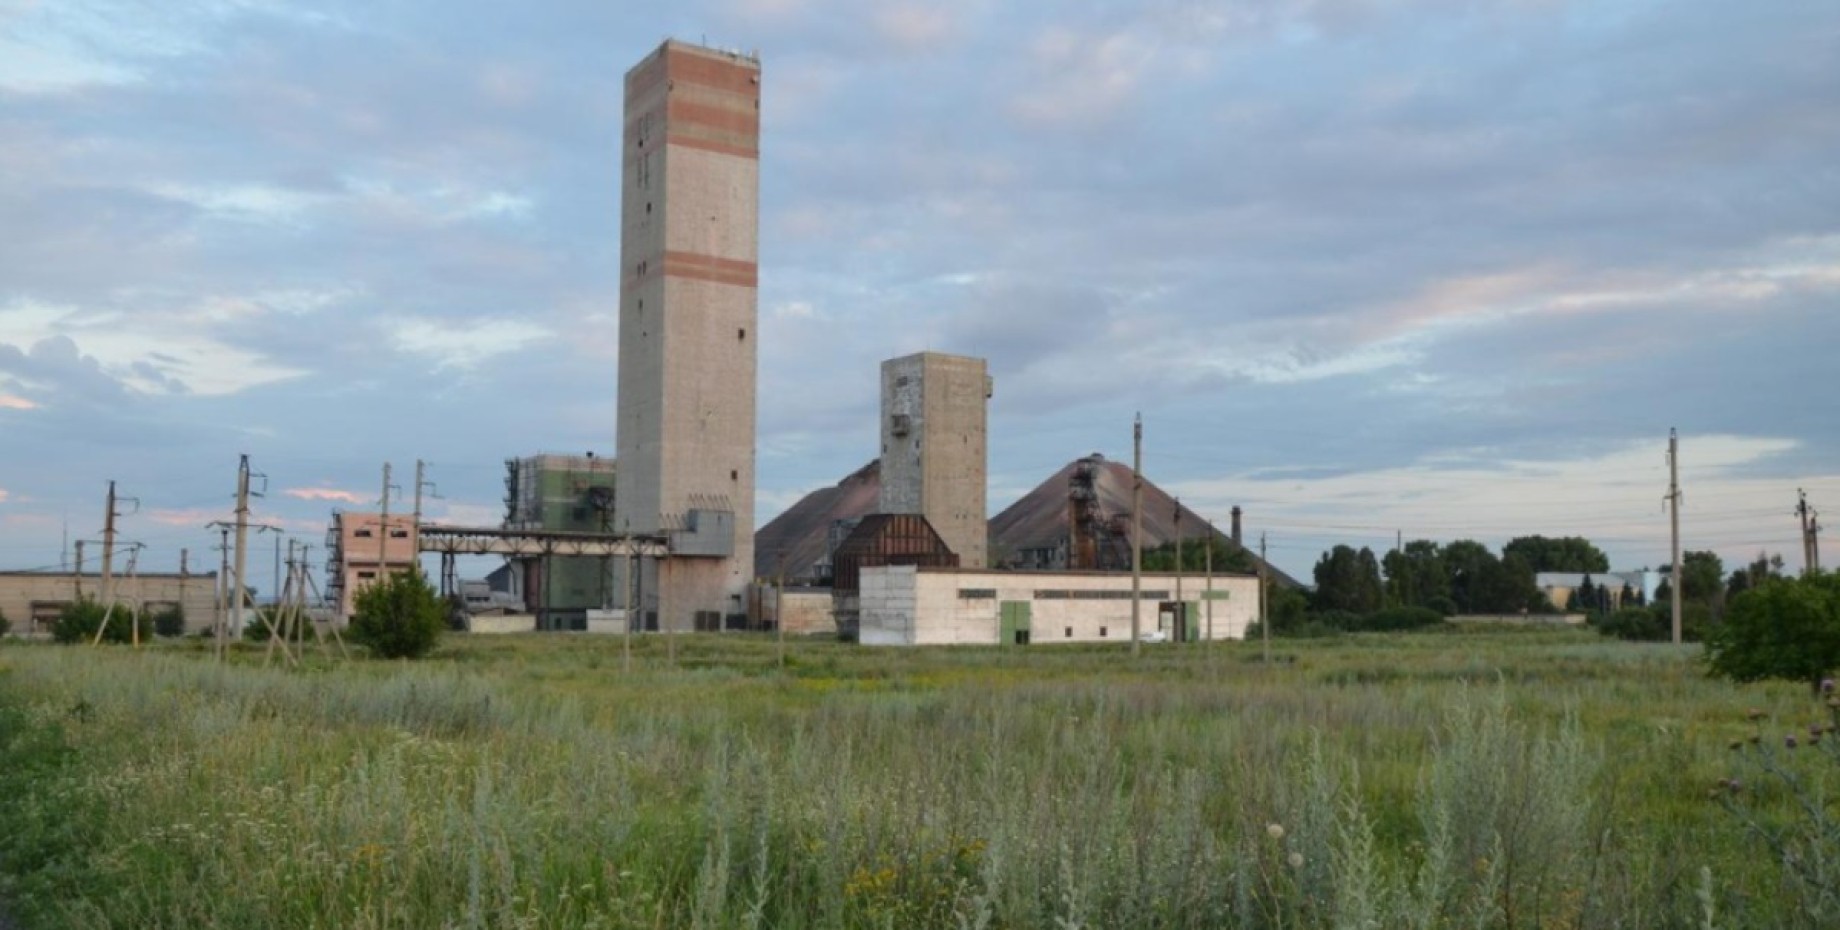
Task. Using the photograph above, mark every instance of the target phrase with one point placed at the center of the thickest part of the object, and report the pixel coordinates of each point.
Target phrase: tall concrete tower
(934, 447)
(689, 246)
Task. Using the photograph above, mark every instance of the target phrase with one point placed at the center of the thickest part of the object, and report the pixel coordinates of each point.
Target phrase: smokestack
(1236, 536)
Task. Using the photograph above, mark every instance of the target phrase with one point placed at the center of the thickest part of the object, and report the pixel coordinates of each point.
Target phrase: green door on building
(1014, 627)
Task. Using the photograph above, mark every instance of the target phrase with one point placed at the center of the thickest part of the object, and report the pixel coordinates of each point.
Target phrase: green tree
(5, 624)
(1787, 628)
(1347, 580)
(79, 620)
(1467, 564)
(1415, 574)
(400, 617)
(1558, 554)
(1228, 556)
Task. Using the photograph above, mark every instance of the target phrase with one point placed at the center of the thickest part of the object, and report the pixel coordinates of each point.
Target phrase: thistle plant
(1781, 799)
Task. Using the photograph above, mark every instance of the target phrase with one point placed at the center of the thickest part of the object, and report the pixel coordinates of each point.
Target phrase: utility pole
(1207, 596)
(1674, 500)
(383, 531)
(415, 526)
(185, 574)
(1137, 531)
(223, 588)
(1181, 605)
(1801, 513)
(238, 590)
(1814, 538)
(632, 607)
(76, 577)
(108, 548)
(1264, 615)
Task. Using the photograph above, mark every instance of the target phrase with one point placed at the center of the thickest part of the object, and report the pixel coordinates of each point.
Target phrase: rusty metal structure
(888, 539)
(1097, 541)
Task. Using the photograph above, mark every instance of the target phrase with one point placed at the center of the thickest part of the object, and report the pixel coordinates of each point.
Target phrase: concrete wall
(688, 321)
(903, 605)
(503, 623)
(803, 611)
(25, 596)
(935, 447)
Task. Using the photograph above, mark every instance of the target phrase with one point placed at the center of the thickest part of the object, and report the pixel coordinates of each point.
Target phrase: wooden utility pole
(185, 575)
(1181, 605)
(1674, 500)
(1264, 614)
(1137, 532)
(1207, 596)
(76, 576)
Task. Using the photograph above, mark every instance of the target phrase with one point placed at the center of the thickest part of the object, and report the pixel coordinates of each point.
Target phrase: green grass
(1486, 779)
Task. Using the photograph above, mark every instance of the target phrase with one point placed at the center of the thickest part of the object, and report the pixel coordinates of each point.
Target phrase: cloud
(326, 494)
(464, 345)
(915, 27)
(3, 495)
(15, 402)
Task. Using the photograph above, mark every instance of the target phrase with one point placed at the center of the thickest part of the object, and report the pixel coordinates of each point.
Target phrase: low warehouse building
(32, 601)
(906, 605)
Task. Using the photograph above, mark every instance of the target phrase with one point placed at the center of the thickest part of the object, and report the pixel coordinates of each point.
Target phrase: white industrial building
(907, 605)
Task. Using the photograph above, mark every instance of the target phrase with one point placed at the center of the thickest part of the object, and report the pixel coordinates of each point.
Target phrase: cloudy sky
(1451, 269)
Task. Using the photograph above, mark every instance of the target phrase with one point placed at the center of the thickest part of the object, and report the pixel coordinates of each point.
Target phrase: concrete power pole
(383, 531)
(1137, 531)
(108, 548)
(239, 590)
(1674, 499)
(76, 577)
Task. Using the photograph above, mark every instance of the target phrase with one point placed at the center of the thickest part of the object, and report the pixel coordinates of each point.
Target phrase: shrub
(1787, 628)
(78, 621)
(1635, 623)
(400, 617)
(169, 621)
(1401, 618)
(5, 625)
(1442, 605)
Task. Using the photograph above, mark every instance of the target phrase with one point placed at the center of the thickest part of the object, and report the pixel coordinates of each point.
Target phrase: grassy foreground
(1447, 780)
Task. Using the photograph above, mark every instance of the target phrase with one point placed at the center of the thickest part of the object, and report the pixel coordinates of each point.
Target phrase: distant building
(689, 274)
(1559, 586)
(568, 493)
(935, 447)
(360, 548)
(908, 605)
(32, 601)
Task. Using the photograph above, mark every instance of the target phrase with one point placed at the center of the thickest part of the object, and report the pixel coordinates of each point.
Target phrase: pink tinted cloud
(15, 402)
(324, 494)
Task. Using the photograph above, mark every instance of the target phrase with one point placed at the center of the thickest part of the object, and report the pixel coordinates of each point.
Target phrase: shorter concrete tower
(934, 447)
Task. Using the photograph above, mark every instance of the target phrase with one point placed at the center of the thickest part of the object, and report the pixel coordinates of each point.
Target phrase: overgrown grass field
(1471, 779)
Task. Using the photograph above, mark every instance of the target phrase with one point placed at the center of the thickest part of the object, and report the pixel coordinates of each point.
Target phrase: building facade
(571, 493)
(32, 601)
(689, 248)
(360, 548)
(906, 605)
(935, 447)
